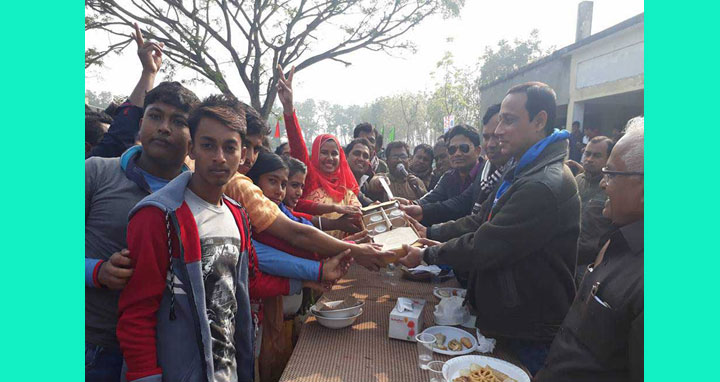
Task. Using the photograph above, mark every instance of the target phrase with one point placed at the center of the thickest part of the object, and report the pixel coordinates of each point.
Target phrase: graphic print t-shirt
(221, 244)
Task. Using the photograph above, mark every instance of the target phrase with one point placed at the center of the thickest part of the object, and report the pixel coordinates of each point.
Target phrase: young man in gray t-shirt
(112, 187)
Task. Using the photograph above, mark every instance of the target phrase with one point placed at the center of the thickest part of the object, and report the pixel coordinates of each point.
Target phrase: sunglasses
(611, 174)
(465, 148)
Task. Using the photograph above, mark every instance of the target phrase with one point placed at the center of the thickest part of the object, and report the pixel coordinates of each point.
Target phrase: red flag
(277, 129)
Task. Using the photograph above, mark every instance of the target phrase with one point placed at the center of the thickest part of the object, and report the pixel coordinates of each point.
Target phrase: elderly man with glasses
(601, 339)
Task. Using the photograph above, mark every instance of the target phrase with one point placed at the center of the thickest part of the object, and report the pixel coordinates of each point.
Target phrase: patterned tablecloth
(363, 352)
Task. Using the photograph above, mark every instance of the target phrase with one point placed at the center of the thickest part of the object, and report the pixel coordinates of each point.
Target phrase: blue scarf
(529, 157)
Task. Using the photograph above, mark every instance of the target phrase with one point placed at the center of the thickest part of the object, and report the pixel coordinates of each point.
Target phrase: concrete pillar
(576, 112)
(584, 20)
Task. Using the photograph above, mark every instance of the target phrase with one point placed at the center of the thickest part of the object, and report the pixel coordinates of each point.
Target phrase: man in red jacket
(185, 313)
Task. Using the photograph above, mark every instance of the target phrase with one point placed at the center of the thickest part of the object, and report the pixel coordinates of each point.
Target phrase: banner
(448, 123)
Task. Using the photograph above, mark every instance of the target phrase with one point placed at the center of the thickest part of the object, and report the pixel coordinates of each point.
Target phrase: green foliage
(508, 57)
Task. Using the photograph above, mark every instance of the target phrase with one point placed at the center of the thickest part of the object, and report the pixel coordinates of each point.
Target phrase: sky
(376, 74)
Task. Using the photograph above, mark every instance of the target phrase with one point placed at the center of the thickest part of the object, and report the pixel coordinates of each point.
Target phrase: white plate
(452, 367)
(452, 334)
(459, 292)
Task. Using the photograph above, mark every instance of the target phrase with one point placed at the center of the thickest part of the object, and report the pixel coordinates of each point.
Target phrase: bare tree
(252, 38)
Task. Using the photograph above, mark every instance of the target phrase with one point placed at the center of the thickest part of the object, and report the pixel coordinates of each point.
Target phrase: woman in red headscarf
(329, 178)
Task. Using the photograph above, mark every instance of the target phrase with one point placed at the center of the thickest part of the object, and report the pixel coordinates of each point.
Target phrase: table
(363, 352)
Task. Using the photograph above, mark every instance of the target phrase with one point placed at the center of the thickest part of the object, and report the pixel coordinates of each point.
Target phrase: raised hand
(285, 90)
(150, 53)
(335, 267)
(115, 273)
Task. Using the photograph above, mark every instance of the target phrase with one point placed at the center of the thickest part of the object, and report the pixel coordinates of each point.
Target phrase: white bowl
(338, 313)
(336, 323)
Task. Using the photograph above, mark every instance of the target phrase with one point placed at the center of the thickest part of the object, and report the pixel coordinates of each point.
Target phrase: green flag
(391, 136)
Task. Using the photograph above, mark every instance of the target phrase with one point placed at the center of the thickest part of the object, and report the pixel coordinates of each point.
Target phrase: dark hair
(439, 144)
(540, 97)
(490, 112)
(356, 141)
(173, 94)
(111, 109)
(364, 127)
(465, 130)
(279, 149)
(425, 147)
(378, 140)
(227, 111)
(576, 123)
(396, 145)
(266, 162)
(295, 166)
(93, 126)
(256, 125)
(603, 139)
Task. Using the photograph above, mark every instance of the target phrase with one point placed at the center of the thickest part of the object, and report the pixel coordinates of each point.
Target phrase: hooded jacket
(521, 251)
(163, 328)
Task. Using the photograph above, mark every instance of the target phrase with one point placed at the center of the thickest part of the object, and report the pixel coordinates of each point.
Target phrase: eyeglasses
(399, 157)
(465, 148)
(611, 174)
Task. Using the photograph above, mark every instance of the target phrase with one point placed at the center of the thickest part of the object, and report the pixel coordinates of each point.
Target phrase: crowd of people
(203, 244)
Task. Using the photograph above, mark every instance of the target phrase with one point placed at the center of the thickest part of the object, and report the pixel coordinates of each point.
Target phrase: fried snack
(502, 377)
(466, 342)
(441, 347)
(454, 345)
(439, 340)
(477, 373)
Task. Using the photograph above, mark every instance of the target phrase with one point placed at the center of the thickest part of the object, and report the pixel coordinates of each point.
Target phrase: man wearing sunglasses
(463, 148)
(471, 199)
(521, 248)
(601, 339)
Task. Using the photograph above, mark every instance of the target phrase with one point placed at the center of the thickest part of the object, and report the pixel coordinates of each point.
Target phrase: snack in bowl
(454, 345)
(477, 373)
(466, 342)
(440, 340)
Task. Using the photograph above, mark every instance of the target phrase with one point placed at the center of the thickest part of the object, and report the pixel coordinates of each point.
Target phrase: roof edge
(563, 51)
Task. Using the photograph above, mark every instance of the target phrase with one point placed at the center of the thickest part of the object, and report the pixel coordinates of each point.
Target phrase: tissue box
(405, 325)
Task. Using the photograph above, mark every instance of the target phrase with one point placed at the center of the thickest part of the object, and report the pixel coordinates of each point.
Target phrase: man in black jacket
(601, 338)
(522, 246)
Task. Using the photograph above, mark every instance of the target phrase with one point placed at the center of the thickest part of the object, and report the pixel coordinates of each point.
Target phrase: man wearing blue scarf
(521, 248)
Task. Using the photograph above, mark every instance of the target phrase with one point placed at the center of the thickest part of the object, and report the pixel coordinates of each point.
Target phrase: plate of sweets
(479, 368)
(451, 341)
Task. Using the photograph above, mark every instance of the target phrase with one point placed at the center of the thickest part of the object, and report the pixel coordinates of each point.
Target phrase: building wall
(554, 73)
(610, 66)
